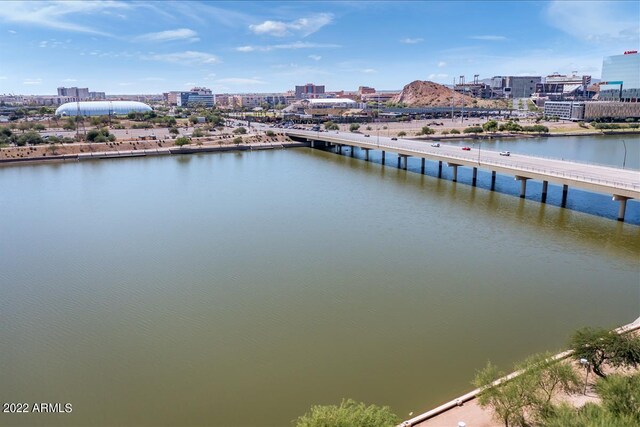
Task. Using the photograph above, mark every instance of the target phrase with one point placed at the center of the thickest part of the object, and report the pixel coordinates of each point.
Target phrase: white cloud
(302, 27)
(437, 76)
(186, 57)
(489, 37)
(596, 21)
(184, 34)
(43, 43)
(12, 31)
(369, 70)
(153, 79)
(125, 84)
(294, 45)
(190, 84)
(58, 15)
(69, 80)
(315, 57)
(442, 64)
(3, 77)
(37, 81)
(240, 81)
(412, 41)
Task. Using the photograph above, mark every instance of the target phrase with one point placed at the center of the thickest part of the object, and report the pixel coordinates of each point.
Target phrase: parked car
(505, 153)
(466, 148)
(435, 144)
(366, 135)
(394, 139)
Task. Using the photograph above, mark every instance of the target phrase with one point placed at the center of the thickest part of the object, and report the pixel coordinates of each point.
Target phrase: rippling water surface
(240, 289)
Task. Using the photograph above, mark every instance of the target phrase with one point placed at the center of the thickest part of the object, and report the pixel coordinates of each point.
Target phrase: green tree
(174, 131)
(510, 399)
(237, 140)
(473, 129)
(31, 138)
(240, 131)
(402, 133)
(270, 133)
(193, 119)
(100, 135)
(455, 132)
(183, 140)
(426, 130)
(353, 127)
(329, 125)
(490, 126)
(197, 133)
(601, 346)
(348, 414)
(5, 131)
(69, 124)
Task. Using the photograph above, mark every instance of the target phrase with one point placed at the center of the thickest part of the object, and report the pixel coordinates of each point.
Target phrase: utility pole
(462, 111)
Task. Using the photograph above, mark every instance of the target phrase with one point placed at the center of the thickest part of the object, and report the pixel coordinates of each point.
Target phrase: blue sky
(126, 47)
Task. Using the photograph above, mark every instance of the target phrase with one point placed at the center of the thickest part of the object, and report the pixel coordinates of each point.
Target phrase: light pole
(479, 148)
(624, 160)
(585, 363)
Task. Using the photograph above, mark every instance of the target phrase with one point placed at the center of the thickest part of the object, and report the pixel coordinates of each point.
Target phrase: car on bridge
(394, 139)
(435, 144)
(505, 153)
(466, 148)
(366, 135)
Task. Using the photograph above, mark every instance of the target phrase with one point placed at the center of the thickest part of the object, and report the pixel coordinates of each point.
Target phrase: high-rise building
(309, 91)
(520, 86)
(75, 92)
(621, 77)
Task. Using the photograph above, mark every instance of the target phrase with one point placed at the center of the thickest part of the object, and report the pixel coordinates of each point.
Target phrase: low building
(324, 107)
(565, 110)
(101, 108)
(615, 110)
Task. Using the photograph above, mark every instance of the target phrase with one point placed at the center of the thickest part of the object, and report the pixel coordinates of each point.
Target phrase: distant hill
(421, 93)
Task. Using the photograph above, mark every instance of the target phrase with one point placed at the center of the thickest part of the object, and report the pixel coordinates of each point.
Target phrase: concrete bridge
(622, 184)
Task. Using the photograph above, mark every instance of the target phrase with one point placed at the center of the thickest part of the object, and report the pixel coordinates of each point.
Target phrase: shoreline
(519, 135)
(164, 151)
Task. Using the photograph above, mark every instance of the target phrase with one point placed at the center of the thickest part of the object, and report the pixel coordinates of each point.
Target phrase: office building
(621, 78)
(309, 91)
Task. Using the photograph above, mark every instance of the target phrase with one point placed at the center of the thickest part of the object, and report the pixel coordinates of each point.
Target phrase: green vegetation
(183, 140)
(510, 126)
(402, 133)
(31, 138)
(615, 125)
(240, 131)
(353, 127)
(368, 128)
(490, 126)
(473, 129)
(197, 133)
(329, 125)
(620, 406)
(142, 125)
(426, 130)
(600, 347)
(270, 133)
(174, 131)
(348, 414)
(237, 140)
(100, 135)
(193, 119)
(455, 132)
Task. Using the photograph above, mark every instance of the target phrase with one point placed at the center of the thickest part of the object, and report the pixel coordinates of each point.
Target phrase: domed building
(101, 108)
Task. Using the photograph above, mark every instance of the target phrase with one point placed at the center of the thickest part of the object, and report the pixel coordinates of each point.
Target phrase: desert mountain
(429, 94)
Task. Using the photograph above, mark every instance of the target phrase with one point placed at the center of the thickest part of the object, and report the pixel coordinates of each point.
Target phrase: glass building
(624, 70)
(101, 108)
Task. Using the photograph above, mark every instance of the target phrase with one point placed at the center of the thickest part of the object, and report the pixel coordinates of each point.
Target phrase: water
(240, 289)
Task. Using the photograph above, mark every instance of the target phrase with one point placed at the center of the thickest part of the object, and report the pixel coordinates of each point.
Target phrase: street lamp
(479, 148)
(585, 363)
(624, 161)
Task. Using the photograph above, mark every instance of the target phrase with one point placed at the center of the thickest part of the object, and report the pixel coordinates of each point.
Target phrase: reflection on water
(236, 290)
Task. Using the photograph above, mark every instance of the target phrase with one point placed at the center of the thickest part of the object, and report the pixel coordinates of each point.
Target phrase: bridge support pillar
(440, 169)
(565, 191)
(366, 154)
(406, 160)
(455, 171)
(623, 206)
(353, 149)
(313, 144)
(545, 185)
(493, 180)
(383, 154)
(475, 177)
(422, 161)
(523, 185)
(339, 148)
(399, 160)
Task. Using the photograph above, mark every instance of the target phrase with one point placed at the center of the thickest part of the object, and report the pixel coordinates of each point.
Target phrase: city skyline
(153, 47)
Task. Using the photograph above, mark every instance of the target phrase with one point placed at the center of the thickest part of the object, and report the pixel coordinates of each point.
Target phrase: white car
(435, 144)
(505, 153)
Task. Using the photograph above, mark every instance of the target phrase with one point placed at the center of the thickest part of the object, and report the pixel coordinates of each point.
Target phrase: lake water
(239, 289)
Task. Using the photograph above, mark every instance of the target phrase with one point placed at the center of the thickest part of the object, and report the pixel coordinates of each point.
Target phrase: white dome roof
(101, 108)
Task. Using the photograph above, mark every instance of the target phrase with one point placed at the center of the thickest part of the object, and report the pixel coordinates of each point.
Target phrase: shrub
(455, 132)
(354, 127)
(490, 126)
(601, 346)
(240, 131)
(426, 130)
(329, 125)
(473, 129)
(402, 133)
(348, 414)
(237, 140)
(183, 140)
(270, 133)
(100, 135)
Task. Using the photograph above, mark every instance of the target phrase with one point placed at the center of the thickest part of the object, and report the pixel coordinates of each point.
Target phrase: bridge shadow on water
(492, 204)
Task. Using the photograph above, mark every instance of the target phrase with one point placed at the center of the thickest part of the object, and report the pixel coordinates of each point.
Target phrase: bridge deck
(596, 178)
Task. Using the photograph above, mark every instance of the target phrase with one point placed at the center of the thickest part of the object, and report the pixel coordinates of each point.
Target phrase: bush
(240, 131)
(237, 140)
(353, 127)
(100, 135)
(455, 132)
(31, 138)
(348, 414)
(270, 133)
(183, 140)
(402, 133)
(426, 130)
(490, 126)
(601, 346)
(174, 131)
(368, 127)
(197, 133)
(473, 129)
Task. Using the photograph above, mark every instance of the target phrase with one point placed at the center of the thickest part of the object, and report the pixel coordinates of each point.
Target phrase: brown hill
(429, 94)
